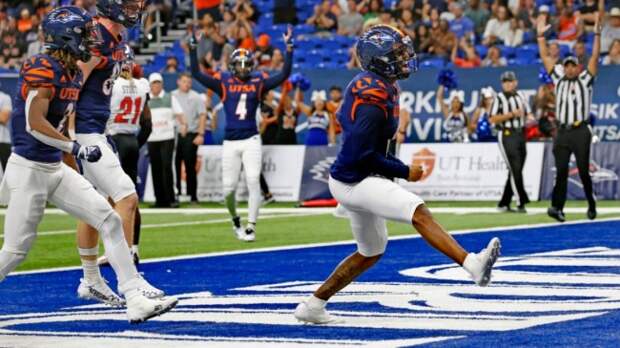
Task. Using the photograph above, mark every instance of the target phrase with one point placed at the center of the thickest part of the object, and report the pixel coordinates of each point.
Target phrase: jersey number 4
(242, 110)
(127, 106)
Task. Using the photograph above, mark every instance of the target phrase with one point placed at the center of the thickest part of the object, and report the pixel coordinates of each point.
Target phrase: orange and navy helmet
(241, 63)
(71, 29)
(387, 52)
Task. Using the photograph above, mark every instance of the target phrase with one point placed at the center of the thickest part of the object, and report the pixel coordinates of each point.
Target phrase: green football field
(195, 231)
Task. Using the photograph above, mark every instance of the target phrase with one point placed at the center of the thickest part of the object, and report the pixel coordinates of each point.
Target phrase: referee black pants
(512, 146)
(161, 153)
(187, 153)
(575, 140)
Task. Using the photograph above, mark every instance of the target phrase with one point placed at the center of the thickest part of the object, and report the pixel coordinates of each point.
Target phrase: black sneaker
(591, 213)
(521, 209)
(556, 214)
(504, 209)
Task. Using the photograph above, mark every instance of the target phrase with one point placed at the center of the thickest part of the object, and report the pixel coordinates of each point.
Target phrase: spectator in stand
(210, 7)
(406, 23)
(461, 25)
(611, 29)
(384, 18)
(478, 14)
(277, 60)
(568, 26)
(323, 18)
(264, 51)
(587, 12)
(164, 7)
(497, 29)
(514, 37)
(494, 58)
(36, 47)
(321, 130)
(526, 14)
(172, 65)
(370, 8)
(613, 58)
(25, 24)
(555, 52)
(245, 38)
(244, 9)
(11, 51)
(227, 23)
(422, 35)
(580, 52)
(471, 59)
(350, 23)
(441, 40)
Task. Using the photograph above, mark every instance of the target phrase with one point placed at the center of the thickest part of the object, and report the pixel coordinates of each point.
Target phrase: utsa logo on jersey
(43, 71)
(241, 100)
(93, 108)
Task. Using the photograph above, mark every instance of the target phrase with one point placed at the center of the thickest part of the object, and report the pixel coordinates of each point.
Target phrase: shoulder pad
(40, 71)
(370, 89)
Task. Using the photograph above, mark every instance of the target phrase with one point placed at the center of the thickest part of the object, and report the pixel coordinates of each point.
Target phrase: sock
(315, 302)
(470, 262)
(91, 270)
(236, 222)
(134, 249)
(231, 204)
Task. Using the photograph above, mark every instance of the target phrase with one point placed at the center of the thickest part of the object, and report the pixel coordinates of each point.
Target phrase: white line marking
(315, 245)
(177, 224)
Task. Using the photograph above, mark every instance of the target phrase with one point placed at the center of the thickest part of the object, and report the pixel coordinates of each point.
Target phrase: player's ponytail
(65, 58)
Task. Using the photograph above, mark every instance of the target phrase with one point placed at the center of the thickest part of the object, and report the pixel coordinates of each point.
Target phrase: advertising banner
(604, 170)
(315, 177)
(468, 171)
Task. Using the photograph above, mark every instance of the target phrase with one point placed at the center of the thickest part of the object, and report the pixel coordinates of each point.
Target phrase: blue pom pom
(544, 77)
(447, 78)
(304, 83)
(295, 79)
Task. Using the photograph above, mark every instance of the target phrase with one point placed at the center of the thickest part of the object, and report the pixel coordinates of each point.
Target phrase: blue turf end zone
(553, 286)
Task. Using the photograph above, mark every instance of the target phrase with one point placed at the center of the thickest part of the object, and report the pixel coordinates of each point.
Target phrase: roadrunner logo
(320, 171)
(438, 304)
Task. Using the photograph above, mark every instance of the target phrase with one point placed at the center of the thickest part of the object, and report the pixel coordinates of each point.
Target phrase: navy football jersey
(369, 120)
(43, 71)
(93, 107)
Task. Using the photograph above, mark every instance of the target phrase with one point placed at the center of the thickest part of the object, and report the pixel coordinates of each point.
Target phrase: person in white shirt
(497, 29)
(6, 108)
(164, 109)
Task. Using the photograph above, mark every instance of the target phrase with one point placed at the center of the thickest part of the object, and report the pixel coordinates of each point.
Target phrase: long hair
(65, 58)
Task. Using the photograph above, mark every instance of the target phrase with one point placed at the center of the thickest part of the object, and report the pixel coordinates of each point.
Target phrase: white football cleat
(149, 290)
(249, 235)
(99, 291)
(317, 315)
(239, 232)
(479, 265)
(141, 308)
(103, 261)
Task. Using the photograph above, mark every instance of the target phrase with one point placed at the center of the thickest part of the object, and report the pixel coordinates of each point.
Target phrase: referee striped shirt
(572, 96)
(510, 102)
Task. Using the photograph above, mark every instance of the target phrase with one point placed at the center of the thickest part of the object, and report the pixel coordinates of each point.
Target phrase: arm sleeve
(277, 79)
(211, 83)
(368, 118)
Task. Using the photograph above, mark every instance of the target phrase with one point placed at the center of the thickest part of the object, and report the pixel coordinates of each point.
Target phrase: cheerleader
(321, 130)
(455, 123)
(480, 127)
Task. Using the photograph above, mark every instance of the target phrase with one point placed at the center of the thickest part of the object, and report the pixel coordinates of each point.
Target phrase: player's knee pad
(9, 260)
(112, 228)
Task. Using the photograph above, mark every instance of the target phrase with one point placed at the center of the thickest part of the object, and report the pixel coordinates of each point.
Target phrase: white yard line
(314, 245)
(438, 210)
(178, 224)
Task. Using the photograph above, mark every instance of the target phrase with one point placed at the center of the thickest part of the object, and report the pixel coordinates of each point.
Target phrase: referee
(573, 88)
(508, 114)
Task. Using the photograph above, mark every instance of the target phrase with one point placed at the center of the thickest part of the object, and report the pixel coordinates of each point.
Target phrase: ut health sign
(468, 172)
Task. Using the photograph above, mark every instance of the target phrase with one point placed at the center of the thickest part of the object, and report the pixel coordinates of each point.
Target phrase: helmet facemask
(242, 67)
(91, 40)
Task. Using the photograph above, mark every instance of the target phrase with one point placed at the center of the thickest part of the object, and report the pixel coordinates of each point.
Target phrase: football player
(360, 178)
(92, 114)
(129, 125)
(241, 91)
(49, 86)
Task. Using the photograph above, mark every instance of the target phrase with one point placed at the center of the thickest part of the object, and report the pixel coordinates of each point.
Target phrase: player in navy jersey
(49, 86)
(361, 177)
(241, 91)
(92, 114)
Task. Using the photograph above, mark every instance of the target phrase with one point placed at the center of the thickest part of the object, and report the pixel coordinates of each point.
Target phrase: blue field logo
(413, 297)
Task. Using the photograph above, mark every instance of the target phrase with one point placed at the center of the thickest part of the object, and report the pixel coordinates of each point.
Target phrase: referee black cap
(570, 60)
(508, 76)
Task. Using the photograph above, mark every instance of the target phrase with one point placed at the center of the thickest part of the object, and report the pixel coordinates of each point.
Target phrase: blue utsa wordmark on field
(556, 285)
